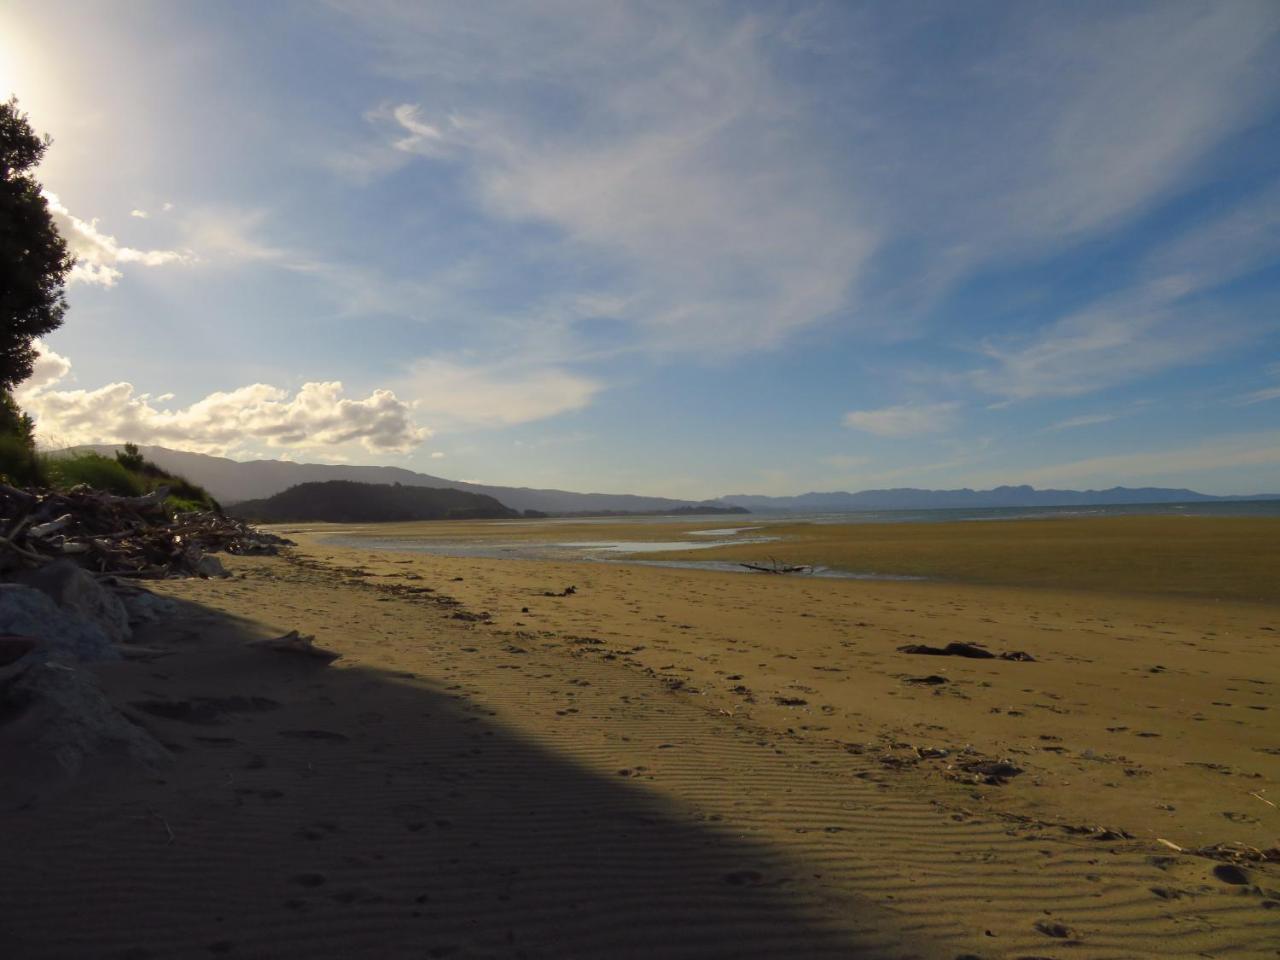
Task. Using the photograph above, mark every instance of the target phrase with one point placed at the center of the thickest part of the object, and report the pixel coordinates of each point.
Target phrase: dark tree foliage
(34, 260)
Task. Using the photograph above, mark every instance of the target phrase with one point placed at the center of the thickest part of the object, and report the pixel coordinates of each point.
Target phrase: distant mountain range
(234, 482)
(345, 501)
(909, 498)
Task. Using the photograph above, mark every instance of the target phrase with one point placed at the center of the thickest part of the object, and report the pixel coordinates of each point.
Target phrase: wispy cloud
(457, 394)
(1086, 420)
(674, 157)
(1259, 396)
(905, 420)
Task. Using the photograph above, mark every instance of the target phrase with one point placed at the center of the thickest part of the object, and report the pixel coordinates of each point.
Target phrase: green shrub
(95, 471)
(18, 461)
(19, 464)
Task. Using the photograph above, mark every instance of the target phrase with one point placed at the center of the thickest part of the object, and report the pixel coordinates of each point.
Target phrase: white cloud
(420, 136)
(140, 214)
(99, 254)
(437, 455)
(498, 395)
(905, 420)
(317, 416)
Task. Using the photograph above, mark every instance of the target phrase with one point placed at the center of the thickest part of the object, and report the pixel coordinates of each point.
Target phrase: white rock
(27, 612)
(210, 566)
(66, 719)
(144, 606)
(79, 593)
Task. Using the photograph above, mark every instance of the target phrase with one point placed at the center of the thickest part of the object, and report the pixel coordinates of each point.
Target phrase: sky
(669, 248)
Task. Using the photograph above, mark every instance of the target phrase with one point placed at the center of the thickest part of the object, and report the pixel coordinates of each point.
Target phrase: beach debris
(932, 680)
(295, 643)
(566, 592)
(1238, 853)
(132, 536)
(984, 770)
(1170, 844)
(971, 651)
(932, 753)
(775, 567)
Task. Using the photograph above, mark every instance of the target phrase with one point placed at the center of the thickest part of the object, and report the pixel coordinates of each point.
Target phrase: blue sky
(683, 249)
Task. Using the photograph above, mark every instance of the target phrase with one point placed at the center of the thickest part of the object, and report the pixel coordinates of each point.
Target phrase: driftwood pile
(128, 536)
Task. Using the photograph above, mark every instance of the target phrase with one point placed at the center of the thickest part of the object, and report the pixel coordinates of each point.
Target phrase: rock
(210, 566)
(992, 772)
(143, 606)
(78, 592)
(64, 720)
(1230, 873)
(27, 612)
(19, 654)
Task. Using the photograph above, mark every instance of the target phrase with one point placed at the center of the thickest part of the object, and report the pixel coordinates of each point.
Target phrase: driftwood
(296, 643)
(131, 536)
(774, 567)
(971, 651)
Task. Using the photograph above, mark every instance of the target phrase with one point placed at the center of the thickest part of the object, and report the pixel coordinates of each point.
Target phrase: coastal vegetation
(34, 263)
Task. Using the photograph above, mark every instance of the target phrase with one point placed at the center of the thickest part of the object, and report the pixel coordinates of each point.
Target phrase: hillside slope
(344, 501)
(233, 482)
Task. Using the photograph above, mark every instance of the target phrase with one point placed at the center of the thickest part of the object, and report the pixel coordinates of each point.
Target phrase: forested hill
(345, 501)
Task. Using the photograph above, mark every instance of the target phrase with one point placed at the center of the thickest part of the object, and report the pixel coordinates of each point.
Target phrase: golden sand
(692, 763)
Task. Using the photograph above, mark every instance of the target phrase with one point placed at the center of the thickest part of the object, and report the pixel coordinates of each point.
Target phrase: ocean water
(1219, 508)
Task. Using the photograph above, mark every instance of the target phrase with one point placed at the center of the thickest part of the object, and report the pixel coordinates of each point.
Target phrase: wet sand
(668, 763)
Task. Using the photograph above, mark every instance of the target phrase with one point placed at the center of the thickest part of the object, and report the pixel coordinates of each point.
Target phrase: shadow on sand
(348, 812)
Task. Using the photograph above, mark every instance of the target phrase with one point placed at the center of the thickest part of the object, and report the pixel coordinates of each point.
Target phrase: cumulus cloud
(496, 395)
(99, 254)
(317, 416)
(140, 214)
(905, 420)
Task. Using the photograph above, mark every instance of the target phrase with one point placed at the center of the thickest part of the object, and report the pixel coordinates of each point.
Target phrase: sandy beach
(671, 762)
